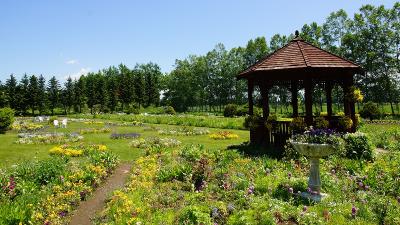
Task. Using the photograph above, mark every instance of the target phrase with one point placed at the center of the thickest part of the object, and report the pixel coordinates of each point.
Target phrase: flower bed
(47, 191)
(76, 150)
(223, 135)
(183, 131)
(124, 136)
(95, 130)
(195, 185)
(27, 127)
(154, 142)
(48, 138)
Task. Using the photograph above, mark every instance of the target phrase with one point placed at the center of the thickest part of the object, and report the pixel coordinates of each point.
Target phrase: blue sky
(66, 38)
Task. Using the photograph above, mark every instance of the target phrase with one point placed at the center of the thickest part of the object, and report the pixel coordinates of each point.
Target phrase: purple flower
(290, 190)
(305, 208)
(309, 190)
(62, 213)
(353, 211)
(250, 190)
(289, 175)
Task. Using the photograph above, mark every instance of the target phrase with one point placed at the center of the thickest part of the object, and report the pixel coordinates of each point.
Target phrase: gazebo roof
(299, 55)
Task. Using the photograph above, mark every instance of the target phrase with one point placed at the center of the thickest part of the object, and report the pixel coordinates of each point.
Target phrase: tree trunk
(391, 107)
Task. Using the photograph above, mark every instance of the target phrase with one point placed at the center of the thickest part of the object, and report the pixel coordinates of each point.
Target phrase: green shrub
(370, 111)
(195, 215)
(252, 122)
(169, 110)
(345, 123)
(230, 110)
(358, 146)
(51, 119)
(321, 123)
(298, 125)
(6, 119)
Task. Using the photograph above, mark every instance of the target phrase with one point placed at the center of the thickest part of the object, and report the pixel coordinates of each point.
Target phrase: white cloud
(71, 62)
(82, 71)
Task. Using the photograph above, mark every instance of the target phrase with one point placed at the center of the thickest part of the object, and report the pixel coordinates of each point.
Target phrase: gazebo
(298, 64)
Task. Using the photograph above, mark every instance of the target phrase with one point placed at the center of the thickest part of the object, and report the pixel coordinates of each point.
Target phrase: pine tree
(11, 88)
(68, 95)
(53, 91)
(42, 95)
(33, 90)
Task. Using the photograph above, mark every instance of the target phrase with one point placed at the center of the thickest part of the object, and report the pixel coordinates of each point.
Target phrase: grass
(11, 153)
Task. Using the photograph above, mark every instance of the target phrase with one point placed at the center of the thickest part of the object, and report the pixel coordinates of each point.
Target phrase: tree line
(108, 90)
(371, 38)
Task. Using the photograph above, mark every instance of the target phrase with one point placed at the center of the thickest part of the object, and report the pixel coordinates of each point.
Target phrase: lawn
(12, 153)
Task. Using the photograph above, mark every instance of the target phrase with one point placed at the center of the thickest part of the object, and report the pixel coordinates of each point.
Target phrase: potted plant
(315, 144)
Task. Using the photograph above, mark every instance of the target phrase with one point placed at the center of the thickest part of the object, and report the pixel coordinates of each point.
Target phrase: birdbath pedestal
(314, 152)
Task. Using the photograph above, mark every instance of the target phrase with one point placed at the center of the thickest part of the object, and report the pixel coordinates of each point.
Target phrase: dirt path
(87, 209)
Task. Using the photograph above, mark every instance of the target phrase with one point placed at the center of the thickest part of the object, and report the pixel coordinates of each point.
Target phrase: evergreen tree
(33, 90)
(42, 95)
(68, 95)
(53, 90)
(11, 89)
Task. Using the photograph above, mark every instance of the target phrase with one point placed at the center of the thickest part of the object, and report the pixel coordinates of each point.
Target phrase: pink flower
(353, 211)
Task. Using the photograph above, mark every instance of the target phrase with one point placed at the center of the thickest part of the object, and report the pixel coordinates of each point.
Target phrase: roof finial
(296, 34)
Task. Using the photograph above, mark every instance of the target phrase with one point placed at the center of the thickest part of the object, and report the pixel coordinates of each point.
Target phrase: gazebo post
(328, 90)
(308, 101)
(264, 88)
(295, 105)
(250, 89)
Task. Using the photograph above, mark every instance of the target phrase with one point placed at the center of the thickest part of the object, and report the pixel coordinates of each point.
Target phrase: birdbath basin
(314, 152)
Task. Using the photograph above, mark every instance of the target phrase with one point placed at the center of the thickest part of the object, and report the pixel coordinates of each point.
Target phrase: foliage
(183, 131)
(319, 136)
(223, 135)
(345, 123)
(321, 123)
(48, 191)
(196, 185)
(6, 118)
(298, 125)
(358, 146)
(23, 126)
(95, 130)
(230, 110)
(252, 122)
(76, 150)
(169, 110)
(124, 136)
(154, 142)
(47, 138)
(370, 111)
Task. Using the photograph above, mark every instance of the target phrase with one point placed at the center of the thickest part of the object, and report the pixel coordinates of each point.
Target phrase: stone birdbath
(314, 152)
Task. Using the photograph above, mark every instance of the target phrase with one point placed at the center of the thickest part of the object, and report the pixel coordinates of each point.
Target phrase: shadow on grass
(253, 150)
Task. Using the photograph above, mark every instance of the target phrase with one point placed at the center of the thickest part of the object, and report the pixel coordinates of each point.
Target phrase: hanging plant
(355, 95)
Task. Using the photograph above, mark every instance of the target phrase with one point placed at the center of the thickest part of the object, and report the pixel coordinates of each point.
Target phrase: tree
(79, 94)
(33, 90)
(333, 30)
(3, 97)
(111, 75)
(53, 90)
(22, 95)
(11, 88)
(68, 95)
(126, 88)
(139, 84)
(42, 95)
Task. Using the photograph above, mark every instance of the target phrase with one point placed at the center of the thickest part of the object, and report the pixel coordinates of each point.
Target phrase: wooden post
(265, 100)
(250, 89)
(308, 101)
(295, 104)
(328, 89)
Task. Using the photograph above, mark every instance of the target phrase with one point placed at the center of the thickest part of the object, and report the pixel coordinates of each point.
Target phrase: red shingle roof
(299, 54)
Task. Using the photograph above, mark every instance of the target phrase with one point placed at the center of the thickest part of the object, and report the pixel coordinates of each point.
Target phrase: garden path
(87, 209)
